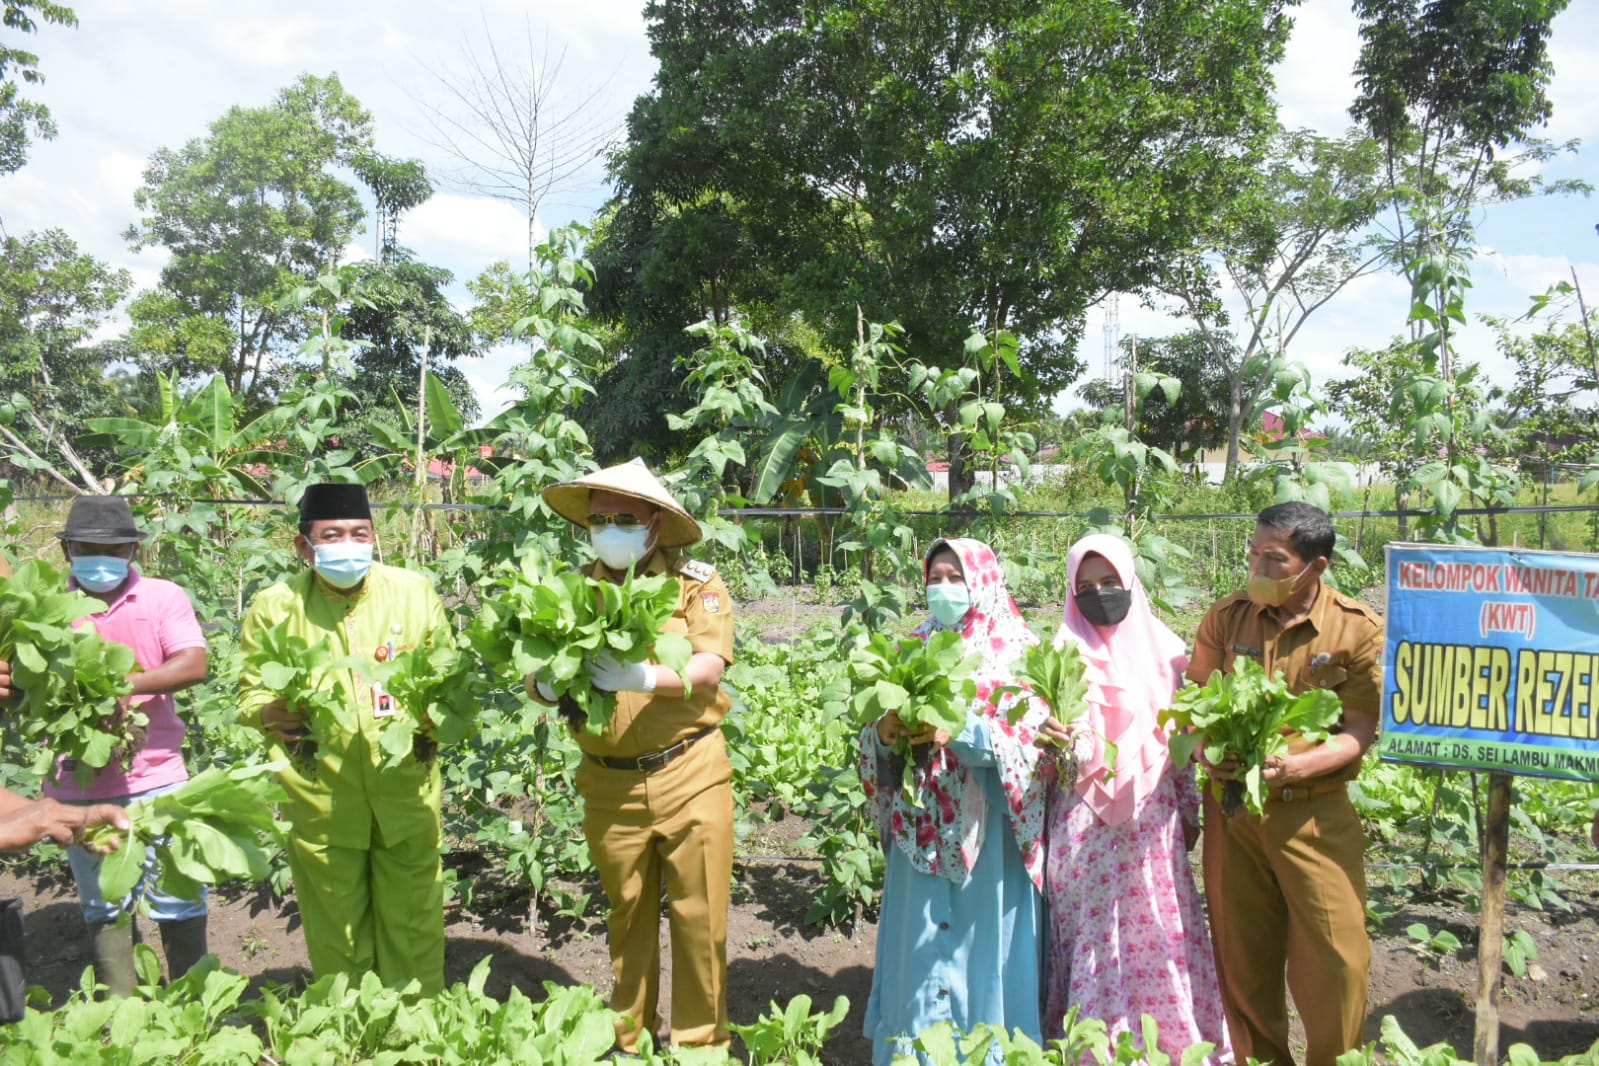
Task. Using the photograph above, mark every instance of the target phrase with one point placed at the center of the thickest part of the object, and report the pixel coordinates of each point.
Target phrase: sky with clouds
(139, 75)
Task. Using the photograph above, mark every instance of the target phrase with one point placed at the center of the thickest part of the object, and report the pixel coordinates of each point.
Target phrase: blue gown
(959, 953)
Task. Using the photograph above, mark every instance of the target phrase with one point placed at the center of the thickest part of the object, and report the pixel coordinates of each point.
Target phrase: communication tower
(1112, 336)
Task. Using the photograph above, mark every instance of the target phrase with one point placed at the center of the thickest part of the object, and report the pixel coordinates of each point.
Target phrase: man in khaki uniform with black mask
(657, 799)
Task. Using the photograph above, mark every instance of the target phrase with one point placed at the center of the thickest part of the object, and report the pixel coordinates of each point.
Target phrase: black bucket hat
(101, 520)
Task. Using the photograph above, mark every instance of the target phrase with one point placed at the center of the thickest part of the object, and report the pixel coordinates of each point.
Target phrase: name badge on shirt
(382, 702)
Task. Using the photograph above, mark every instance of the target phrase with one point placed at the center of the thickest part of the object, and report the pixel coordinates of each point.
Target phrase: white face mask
(620, 548)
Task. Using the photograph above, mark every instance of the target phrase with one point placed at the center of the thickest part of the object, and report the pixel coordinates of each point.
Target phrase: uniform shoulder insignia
(1354, 606)
(699, 571)
(1350, 605)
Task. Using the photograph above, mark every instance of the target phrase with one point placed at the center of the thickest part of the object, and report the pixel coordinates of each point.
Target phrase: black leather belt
(655, 760)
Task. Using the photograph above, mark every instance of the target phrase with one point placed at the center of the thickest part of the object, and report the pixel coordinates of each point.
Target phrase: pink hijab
(944, 835)
(1133, 668)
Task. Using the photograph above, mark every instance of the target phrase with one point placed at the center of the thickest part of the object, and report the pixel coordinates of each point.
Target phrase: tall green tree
(23, 120)
(247, 212)
(996, 164)
(1186, 418)
(1453, 90)
(1282, 251)
(1553, 404)
(53, 297)
(399, 314)
(397, 186)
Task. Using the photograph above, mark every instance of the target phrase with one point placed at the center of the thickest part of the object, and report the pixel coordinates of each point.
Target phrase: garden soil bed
(774, 956)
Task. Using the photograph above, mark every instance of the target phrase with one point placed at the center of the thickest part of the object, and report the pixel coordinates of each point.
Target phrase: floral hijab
(945, 835)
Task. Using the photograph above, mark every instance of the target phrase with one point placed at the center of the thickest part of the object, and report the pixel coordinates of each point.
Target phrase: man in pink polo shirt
(156, 620)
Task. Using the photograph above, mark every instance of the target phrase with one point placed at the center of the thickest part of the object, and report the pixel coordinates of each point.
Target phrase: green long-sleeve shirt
(349, 796)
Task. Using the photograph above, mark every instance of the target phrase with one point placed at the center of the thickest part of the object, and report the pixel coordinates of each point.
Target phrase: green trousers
(379, 908)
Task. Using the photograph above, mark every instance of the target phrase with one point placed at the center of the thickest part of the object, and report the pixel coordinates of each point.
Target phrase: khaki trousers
(1287, 894)
(671, 829)
(378, 908)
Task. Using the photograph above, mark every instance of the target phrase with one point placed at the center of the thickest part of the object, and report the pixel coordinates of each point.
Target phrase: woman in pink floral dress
(1126, 930)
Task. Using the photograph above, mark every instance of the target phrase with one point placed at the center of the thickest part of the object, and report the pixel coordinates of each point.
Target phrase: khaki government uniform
(1287, 889)
(364, 841)
(669, 827)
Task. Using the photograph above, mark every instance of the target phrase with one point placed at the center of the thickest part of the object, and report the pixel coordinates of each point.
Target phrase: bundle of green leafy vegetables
(72, 682)
(300, 674)
(547, 624)
(927, 683)
(1248, 717)
(208, 831)
(1055, 673)
(437, 693)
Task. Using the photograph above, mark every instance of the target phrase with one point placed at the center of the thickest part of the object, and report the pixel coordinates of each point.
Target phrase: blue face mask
(99, 573)
(343, 565)
(949, 603)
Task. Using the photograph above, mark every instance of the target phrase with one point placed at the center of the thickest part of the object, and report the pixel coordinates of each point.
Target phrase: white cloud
(1315, 83)
(1575, 85)
(1528, 274)
(121, 175)
(618, 17)
(472, 230)
(333, 36)
(29, 201)
(356, 252)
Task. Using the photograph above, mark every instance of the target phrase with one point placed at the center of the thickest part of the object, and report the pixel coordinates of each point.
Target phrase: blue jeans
(160, 906)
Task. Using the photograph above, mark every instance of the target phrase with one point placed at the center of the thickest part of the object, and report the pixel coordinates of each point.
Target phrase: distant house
(441, 470)
(1271, 430)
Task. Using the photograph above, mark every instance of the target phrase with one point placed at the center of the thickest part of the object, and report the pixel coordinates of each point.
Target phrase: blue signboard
(1492, 660)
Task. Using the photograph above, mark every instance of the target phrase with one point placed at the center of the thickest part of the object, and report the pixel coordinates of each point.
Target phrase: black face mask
(1104, 607)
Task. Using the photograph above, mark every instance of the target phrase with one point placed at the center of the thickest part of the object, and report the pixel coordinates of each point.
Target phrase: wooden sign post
(1491, 922)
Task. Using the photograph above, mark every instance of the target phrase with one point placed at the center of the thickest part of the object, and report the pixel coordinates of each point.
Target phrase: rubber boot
(184, 943)
(113, 957)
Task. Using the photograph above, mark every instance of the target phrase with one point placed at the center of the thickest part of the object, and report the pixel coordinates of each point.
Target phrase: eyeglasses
(621, 520)
(82, 548)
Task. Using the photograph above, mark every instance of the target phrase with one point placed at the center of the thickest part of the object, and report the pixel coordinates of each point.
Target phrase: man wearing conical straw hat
(657, 798)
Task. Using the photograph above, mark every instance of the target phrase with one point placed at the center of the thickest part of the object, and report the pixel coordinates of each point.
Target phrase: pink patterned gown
(1126, 929)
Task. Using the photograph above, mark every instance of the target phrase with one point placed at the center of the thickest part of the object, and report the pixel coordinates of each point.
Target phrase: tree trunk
(1235, 425)
(961, 474)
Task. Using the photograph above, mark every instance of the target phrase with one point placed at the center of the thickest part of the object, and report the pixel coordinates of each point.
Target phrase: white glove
(606, 673)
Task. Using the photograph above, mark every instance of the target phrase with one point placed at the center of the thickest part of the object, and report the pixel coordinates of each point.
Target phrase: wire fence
(797, 546)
